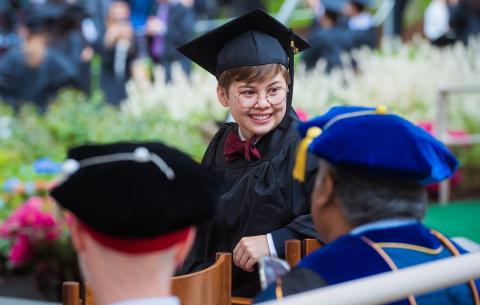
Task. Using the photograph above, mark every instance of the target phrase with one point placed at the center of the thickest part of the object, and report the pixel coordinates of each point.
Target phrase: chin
(260, 132)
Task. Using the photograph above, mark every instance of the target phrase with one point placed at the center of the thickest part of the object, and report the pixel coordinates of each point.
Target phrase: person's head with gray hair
(358, 199)
(373, 166)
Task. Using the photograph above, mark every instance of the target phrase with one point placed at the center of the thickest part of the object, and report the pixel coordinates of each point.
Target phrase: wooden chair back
(75, 294)
(211, 286)
(296, 249)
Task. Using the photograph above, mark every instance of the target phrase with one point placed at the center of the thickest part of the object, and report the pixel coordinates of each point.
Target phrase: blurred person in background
(340, 27)
(94, 25)
(118, 51)
(9, 11)
(140, 10)
(329, 37)
(464, 18)
(241, 7)
(170, 24)
(34, 72)
(398, 16)
(436, 23)
(448, 21)
(71, 36)
(205, 9)
(360, 23)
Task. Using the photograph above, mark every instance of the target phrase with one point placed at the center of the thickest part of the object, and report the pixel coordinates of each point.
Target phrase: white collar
(241, 135)
(382, 224)
(243, 139)
(169, 300)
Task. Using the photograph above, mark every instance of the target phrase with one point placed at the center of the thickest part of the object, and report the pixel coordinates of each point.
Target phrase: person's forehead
(278, 78)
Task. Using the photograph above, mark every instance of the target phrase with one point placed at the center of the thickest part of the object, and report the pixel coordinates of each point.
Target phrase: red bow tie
(234, 148)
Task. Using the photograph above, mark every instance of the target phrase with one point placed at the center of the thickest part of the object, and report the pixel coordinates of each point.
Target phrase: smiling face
(262, 117)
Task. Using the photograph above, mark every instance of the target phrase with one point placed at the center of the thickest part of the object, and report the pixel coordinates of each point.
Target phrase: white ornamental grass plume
(181, 98)
(406, 79)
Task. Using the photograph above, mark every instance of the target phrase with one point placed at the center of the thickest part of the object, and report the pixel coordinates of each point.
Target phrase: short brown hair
(250, 74)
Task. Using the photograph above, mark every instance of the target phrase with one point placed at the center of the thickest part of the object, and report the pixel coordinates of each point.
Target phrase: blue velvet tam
(378, 144)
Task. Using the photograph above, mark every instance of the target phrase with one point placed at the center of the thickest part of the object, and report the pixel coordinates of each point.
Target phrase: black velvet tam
(136, 190)
(250, 40)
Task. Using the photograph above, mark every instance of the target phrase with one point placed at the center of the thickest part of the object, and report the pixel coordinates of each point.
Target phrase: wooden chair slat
(310, 245)
(293, 251)
(89, 299)
(71, 293)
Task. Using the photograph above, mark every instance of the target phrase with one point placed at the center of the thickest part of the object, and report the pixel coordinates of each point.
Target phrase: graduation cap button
(381, 109)
(70, 166)
(141, 154)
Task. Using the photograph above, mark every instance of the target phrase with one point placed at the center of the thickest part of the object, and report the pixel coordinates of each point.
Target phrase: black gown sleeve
(8, 77)
(302, 225)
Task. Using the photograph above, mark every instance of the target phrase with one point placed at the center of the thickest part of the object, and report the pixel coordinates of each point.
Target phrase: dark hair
(358, 6)
(250, 74)
(333, 16)
(364, 199)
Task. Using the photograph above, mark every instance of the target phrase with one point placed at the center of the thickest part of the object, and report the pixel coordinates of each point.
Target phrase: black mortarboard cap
(136, 190)
(253, 39)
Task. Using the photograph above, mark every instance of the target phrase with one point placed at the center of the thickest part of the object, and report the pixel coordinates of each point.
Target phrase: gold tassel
(295, 49)
(301, 156)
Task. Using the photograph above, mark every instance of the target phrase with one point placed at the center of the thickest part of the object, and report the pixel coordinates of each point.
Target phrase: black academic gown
(328, 44)
(260, 197)
(113, 85)
(21, 83)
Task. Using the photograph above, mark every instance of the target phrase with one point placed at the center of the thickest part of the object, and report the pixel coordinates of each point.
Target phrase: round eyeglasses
(274, 96)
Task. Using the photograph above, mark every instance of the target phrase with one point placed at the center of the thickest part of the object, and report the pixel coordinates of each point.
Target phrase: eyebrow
(246, 86)
(274, 83)
(253, 87)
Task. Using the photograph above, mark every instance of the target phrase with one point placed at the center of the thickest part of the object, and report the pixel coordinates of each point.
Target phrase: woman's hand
(249, 250)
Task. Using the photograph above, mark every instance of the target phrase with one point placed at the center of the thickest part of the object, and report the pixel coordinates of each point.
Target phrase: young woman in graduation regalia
(261, 206)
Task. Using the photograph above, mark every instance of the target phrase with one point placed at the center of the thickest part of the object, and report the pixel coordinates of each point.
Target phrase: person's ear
(184, 247)
(222, 96)
(77, 233)
(323, 192)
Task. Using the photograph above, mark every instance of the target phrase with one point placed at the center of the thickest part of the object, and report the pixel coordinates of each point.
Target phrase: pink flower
(31, 224)
(302, 114)
(454, 134)
(457, 134)
(21, 251)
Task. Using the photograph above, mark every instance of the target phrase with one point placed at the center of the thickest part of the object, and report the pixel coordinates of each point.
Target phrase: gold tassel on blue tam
(301, 156)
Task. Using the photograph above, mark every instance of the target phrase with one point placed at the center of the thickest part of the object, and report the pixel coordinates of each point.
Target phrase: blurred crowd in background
(46, 45)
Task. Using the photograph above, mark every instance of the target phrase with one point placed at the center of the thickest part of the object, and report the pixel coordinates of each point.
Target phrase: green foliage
(73, 119)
